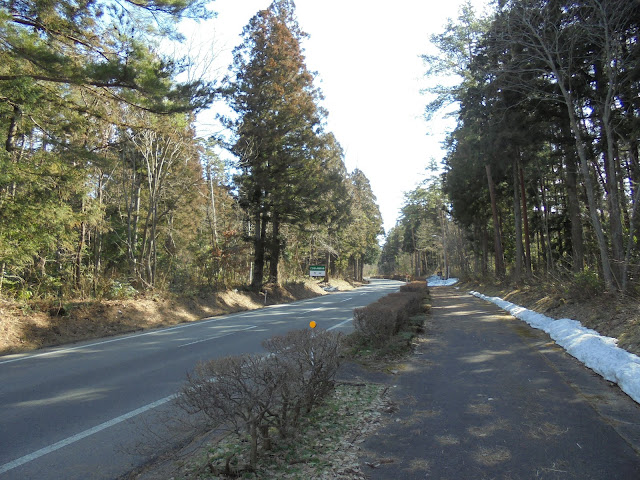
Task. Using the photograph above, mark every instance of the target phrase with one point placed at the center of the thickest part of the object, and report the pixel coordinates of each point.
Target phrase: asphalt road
(487, 397)
(85, 411)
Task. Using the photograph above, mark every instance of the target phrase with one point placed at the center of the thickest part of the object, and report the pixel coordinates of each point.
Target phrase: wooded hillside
(105, 189)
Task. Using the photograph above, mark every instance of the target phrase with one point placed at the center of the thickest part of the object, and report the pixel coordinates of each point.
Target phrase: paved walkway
(488, 397)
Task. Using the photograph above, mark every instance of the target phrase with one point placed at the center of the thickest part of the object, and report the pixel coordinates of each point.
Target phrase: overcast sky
(367, 57)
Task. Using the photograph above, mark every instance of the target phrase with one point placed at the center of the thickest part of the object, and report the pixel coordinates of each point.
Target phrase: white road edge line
(79, 436)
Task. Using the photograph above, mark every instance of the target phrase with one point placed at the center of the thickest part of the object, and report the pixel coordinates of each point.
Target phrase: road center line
(217, 336)
(339, 325)
(119, 339)
(79, 436)
(248, 314)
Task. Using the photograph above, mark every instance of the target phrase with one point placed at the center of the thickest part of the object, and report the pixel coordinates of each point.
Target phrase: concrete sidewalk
(487, 397)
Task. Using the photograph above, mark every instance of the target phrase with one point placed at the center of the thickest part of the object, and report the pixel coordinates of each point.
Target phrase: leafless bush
(418, 287)
(309, 361)
(251, 393)
(234, 392)
(375, 323)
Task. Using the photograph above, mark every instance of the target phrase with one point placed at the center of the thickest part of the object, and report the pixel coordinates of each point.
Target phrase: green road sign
(317, 271)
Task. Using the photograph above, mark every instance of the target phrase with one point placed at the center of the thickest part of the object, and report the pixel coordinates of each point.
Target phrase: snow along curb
(435, 281)
(601, 354)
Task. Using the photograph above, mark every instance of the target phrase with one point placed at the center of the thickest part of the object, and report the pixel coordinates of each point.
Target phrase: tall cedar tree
(277, 133)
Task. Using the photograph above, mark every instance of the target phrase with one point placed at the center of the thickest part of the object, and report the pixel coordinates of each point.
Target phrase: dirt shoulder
(612, 315)
(38, 324)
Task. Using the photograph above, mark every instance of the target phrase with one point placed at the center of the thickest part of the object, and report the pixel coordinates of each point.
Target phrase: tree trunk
(573, 206)
(253, 450)
(525, 218)
(605, 85)
(327, 266)
(97, 243)
(10, 144)
(546, 235)
(633, 223)
(259, 250)
(355, 268)
(607, 272)
(275, 249)
(79, 252)
(499, 255)
(631, 243)
(485, 250)
(133, 218)
(214, 219)
(2, 270)
(615, 215)
(445, 255)
(517, 216)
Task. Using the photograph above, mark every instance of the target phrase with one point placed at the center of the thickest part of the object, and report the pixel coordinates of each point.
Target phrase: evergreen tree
(277, 133)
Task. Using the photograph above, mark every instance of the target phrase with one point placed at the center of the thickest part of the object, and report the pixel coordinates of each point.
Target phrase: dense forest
(105, 188)
(541, 172)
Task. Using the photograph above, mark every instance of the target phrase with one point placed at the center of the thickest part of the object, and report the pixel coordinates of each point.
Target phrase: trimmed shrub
(309, 361)
(418, 287)
(251, 393)
(375, 323)
(404, 305)
(379, 321)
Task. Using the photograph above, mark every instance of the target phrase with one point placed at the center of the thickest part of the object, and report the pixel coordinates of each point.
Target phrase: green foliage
(121, 290)
(291, 172)
(586, 284)
(102, 177)
(522, 77)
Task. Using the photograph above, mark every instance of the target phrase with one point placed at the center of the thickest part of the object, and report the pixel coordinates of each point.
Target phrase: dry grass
(612, 315)
(447, 440)
(491, 457)
(546, 430)
(327, 448)
(480, 408)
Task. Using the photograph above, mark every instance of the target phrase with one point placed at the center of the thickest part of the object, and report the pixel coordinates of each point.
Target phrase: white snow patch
(599, 353)
(435, 281)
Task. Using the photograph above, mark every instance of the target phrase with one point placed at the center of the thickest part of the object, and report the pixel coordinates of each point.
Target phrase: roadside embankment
(38, 324)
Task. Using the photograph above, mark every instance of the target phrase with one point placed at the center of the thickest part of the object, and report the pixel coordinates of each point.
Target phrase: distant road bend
(79, 411)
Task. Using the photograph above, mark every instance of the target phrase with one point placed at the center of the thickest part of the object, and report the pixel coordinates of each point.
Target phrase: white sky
(367, 56)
